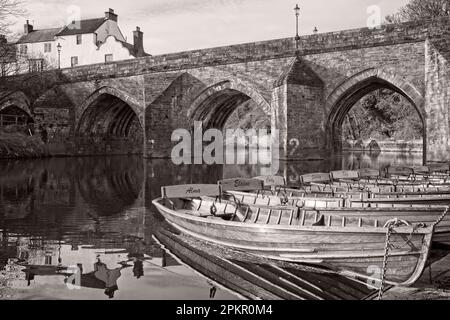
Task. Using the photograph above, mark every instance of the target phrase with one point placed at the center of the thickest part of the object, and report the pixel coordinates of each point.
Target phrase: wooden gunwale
(283, 227)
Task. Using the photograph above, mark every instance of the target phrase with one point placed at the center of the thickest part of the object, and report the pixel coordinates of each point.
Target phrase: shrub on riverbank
(17, 145)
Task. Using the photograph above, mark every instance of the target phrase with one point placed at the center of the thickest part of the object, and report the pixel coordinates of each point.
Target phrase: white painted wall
(88, 52)
(109, 28)
(36, 51)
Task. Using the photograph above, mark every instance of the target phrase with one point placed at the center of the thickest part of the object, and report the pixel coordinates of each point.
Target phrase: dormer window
(79, 39)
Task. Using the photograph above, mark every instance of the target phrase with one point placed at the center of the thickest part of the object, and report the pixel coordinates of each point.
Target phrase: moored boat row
(345, 220)
(337, 239)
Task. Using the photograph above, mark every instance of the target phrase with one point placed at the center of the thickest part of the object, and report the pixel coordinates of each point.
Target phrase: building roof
(39, 35)
(77, 27)
(82, 27)
(132, 50)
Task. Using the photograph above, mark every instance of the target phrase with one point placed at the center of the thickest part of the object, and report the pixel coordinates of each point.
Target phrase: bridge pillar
(437, 101)
(299, 113)
(168, 113)
(159, 127)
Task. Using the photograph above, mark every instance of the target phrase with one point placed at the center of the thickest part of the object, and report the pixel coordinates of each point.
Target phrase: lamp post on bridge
(59, 55)
(297, 37)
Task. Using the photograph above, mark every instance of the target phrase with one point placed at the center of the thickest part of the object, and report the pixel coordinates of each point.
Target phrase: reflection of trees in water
(379, 160)
(81, 201)
(107, 185)
(55, 196)
(16, 189)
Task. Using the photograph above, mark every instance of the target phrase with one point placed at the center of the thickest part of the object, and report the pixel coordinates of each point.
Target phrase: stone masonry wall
(437, 100)
(306, 132)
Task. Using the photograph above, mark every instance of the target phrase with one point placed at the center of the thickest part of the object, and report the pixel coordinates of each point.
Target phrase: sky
(180, 25)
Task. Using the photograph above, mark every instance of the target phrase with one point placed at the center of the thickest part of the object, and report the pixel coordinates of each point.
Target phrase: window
(108, 57)
(36, 65)
(47, 47)
(48, 260)
(79, 39)
(74, 61)
(23, 49)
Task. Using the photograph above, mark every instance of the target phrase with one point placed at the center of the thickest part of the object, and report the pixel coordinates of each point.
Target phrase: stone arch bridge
(134, 106)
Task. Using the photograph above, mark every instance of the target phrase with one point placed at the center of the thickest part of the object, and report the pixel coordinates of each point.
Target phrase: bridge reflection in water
(56, 214)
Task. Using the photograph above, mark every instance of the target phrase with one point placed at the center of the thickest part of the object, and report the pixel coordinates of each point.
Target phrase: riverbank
(15, 145)
(371, 145)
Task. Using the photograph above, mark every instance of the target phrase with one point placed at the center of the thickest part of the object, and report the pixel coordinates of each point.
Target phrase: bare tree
(9, 10)
(421, 9)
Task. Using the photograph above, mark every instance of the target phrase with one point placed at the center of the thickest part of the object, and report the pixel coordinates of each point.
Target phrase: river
(76, 211)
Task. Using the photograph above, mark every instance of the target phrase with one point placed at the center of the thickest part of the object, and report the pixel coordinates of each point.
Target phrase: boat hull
(356, 251)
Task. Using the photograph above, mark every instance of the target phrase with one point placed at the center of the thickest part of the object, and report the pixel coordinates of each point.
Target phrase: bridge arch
(93, 98)
(354, 88)
(112, 119)
(109, 110)
(15, 109)
(216, 103)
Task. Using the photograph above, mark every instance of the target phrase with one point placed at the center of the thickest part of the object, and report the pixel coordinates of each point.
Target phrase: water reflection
(78, 228)
(256, 279)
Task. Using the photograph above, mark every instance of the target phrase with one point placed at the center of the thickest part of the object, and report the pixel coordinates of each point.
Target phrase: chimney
(138, 42)
(27, 28)
(110, 15)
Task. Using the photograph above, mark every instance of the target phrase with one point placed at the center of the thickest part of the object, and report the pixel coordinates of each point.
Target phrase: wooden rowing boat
(283, 233)
(355, 198)
(379, 212)
(323, 185)
(382, 209)
(345, 180)
(417, 173)
(375, 187)
(256, 192)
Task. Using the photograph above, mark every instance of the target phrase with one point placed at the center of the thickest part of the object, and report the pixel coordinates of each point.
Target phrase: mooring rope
(390, 226)
(442, 217)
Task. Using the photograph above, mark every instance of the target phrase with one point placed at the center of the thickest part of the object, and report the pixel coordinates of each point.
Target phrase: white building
(82, 42)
